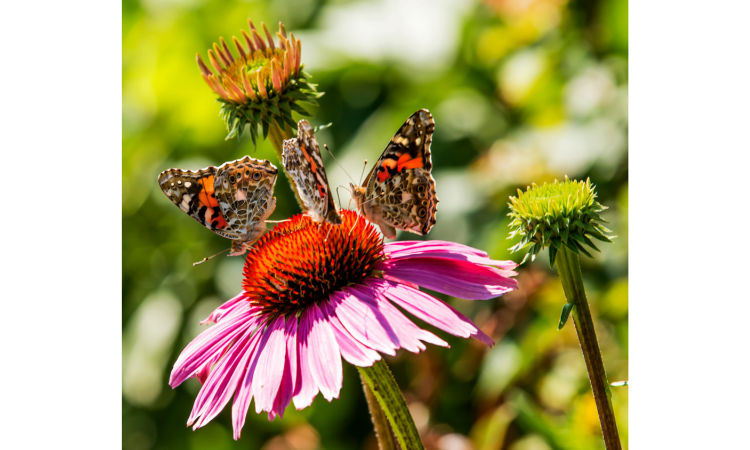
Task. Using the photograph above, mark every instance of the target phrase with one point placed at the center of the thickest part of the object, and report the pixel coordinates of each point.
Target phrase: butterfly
(304, 163)
(399, 192)
(232, 200)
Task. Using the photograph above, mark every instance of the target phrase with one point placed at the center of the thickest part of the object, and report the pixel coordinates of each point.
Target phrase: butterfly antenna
(206, 259)
(337, 194)
(355, 224)
(374, 198)
(327, 234)
(337, 162)
(363, 173)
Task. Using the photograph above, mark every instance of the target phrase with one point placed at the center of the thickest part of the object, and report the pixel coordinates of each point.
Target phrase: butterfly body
(232, 200)
(304, 163)
(399, 192)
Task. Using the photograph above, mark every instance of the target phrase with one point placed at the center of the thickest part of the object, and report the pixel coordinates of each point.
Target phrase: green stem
(277, 136)
(572, 281)
(380, 380)
(383, 433)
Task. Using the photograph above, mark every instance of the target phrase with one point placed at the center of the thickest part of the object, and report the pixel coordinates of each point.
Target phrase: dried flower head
(260, 85)
(556, 215)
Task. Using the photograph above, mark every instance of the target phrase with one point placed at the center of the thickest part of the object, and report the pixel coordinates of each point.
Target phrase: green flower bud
(556, 215)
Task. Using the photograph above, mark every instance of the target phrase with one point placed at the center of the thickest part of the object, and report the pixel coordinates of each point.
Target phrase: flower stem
(572, 281)
(277, 136)
(383, 432)
(379, 379)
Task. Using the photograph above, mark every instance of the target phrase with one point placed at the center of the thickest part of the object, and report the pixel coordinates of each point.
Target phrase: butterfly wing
(194, 193)
(304, 163)
(400, 189)
(244, 192)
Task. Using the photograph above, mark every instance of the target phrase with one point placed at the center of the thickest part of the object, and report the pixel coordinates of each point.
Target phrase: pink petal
(203, 373)
(457, 278)
(212, 341)
(324, 354)
(352, 350)
(244, 393)
(442, 249)
(433, 311)
(286, 390)
(409, 335)
(222, 381)
(364, 322)
(386, 276)
(226, 308)
(305, 388)
(270, 370)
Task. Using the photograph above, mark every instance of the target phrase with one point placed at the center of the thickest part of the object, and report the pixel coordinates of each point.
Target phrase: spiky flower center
(556, 215)
(301, 263)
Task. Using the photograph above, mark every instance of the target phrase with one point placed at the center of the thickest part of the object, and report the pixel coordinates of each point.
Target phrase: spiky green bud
(556, 215)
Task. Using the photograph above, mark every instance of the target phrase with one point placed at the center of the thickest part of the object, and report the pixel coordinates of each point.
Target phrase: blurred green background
(521, 91)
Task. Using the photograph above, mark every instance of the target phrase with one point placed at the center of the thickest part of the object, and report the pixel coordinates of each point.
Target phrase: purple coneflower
(313, 294)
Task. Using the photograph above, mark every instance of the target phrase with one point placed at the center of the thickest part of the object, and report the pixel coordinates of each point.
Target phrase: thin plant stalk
(379, 379)
(572, 281)
(383, 433)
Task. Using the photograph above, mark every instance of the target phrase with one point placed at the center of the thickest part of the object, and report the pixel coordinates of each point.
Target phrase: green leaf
(590, 244)
(265, 129)
(322, 127)
(557, 242)
(571, 245)
(564, 235)
(577, 236)
(598, 218)
(567, 308)
(300, 110)
(274, 109)
(601, 237)
(285, 107)
(583, 250)
(310, 101)
(294, 94)
(524, 259)
(602, 228)
(288, 119)
(279, 121)
(585, 226)
(552, 256)
(311, 94)
(254, 135)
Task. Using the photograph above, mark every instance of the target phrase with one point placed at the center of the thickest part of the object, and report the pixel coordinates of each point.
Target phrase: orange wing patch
(407, 162)
(383, 173)
(208, 199)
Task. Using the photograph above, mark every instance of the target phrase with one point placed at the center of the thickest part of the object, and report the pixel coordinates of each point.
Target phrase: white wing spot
(188, 184)
(416, 141)
(185, 205)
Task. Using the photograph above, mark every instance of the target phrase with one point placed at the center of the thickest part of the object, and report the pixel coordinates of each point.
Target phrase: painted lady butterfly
(399, 193)
(232, 200)
(304, 163)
